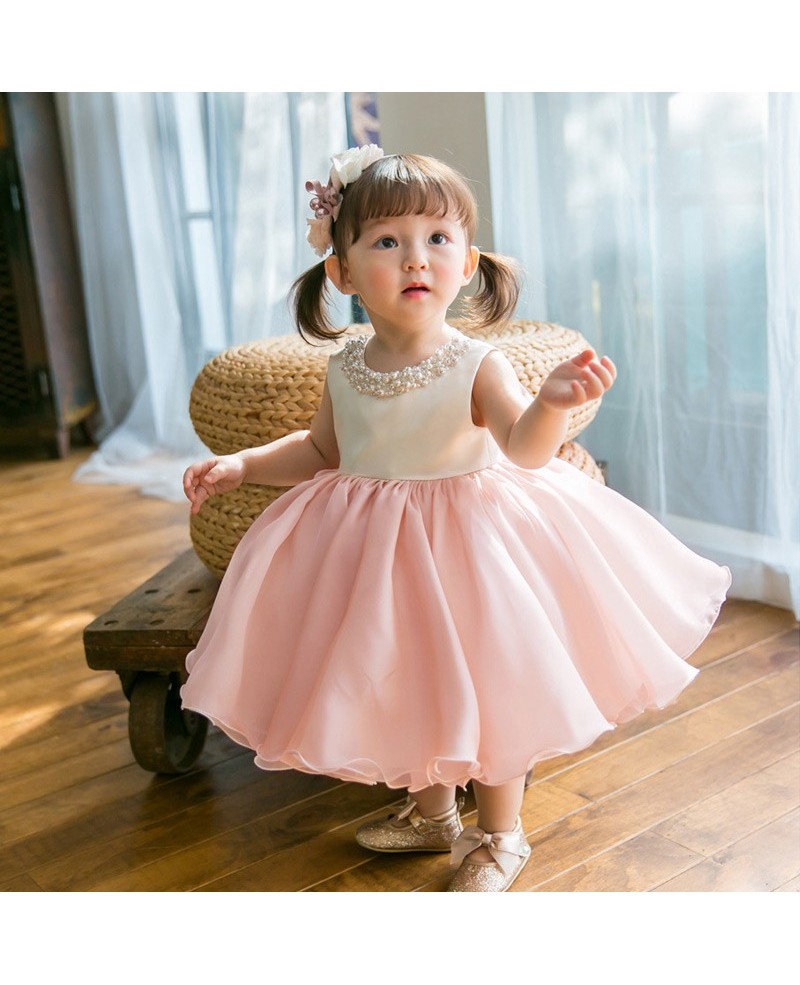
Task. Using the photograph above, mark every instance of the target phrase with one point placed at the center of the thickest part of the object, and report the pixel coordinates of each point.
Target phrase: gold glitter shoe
(409, 831)
(509, 849)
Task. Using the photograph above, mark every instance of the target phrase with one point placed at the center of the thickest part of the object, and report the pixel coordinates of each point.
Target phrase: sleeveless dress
(430, 612)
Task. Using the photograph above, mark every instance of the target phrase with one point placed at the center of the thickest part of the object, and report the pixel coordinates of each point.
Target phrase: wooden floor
(703, 796)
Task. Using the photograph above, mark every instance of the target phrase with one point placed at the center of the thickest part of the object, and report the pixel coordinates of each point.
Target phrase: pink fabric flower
(326, 200)
(319, 236)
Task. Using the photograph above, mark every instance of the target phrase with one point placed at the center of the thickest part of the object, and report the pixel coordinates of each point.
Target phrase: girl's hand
(215, 475)
(577, 381)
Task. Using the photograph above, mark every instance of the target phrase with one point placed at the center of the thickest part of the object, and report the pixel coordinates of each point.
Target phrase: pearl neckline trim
(374, 383)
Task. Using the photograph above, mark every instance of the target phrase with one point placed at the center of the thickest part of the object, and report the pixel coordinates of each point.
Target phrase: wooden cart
(145, 638)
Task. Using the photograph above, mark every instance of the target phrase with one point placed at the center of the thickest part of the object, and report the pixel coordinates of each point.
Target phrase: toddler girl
(438, 600)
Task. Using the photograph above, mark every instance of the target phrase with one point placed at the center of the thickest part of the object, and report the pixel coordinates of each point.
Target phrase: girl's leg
(498, 809)
(434, 800)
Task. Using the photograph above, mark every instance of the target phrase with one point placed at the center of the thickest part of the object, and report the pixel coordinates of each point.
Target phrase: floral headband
(327, 200)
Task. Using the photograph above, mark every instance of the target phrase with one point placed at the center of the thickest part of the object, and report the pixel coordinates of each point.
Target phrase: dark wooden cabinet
(46, 384)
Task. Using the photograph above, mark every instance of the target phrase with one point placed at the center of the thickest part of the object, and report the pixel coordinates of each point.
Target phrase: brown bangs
(404, 184)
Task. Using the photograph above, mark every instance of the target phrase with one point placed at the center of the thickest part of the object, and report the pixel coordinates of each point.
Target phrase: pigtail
(500, 282)
(309, 297)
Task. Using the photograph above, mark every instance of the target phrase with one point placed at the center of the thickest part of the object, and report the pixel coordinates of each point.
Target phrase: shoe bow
(504, 846)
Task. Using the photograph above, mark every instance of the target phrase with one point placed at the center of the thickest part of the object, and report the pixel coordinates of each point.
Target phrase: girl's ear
(337, 272)
(471, 263)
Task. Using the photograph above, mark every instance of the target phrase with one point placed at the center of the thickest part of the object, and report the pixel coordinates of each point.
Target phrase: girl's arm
(530, 432)
(289, 460)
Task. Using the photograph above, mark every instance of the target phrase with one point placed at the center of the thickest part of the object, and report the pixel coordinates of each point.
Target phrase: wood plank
(83, 800)
(154, 659)
(761, 862)
(8, 559)
(730, 635)
(140, 799)
(240, 794)
(60, 532)
(45, 657)
(107, 535)
(17, 717)
(70, 772)
(792, 886)
(172, 596)
(22, 884)
(668, 849)
(43, 646)
(633, 866)
(230, 851)
(125, 553)
(658, 797)
(51, 751)
(53, 583)
(20, 694)
(24, 609)
(44, 510)
(712, 824)
(51, 718)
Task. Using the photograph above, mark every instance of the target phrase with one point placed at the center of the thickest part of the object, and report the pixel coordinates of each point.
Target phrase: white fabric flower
(347, 166)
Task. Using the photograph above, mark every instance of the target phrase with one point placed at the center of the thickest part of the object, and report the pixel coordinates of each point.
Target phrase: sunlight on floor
(17, 721)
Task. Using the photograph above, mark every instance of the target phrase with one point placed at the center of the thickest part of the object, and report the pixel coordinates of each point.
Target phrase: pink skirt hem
(410, 632)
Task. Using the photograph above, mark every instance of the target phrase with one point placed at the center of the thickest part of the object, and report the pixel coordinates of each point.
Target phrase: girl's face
(407, 270)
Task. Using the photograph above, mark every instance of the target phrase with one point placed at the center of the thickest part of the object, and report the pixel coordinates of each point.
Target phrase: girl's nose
(415, 259)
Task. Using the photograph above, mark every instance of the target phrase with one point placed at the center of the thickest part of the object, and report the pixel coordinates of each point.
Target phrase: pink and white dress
(431, 613)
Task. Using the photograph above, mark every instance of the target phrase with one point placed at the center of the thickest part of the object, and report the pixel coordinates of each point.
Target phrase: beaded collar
(376, 384)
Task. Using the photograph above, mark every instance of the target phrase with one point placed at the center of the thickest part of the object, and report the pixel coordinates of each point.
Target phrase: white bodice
(424, 431)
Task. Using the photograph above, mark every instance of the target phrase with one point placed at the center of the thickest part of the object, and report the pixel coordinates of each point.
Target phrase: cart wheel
(164, 738)
(127, 679)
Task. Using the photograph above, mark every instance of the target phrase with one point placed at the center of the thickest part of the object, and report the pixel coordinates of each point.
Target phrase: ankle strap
(411, 805)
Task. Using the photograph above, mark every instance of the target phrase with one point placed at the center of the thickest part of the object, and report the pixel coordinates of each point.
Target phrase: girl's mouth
(416, 290)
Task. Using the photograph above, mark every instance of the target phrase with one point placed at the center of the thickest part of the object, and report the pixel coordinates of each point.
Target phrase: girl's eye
(386, 242)
(438, 239)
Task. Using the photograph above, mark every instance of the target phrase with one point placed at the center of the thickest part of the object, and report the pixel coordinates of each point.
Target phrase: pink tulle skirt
(412, 632)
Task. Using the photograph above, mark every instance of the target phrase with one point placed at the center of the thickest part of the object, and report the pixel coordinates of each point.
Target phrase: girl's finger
(595, 383)
(188, 478)
(578, 391)
(609, 366)
(584, 357)
(604, 374)
(215, 474)
(200, 497)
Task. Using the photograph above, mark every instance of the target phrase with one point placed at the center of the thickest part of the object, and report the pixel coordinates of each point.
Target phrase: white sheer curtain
(666, 227)
(191, 215)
